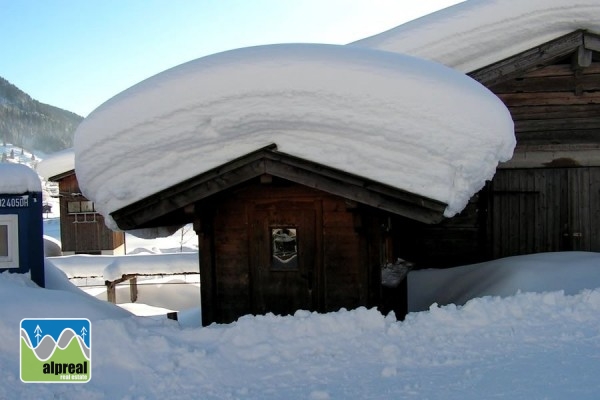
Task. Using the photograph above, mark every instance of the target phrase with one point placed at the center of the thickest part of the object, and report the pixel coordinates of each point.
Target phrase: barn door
(282, 257)
(539, 210)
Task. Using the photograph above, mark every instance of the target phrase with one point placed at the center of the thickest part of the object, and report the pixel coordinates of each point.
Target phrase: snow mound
(388, 117)
(569, 272)
(18, 179)
(477, 33)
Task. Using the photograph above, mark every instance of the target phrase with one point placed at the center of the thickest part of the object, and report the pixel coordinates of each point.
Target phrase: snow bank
(570, 272)
(402, 121)
(152, 265)
(57, 163)
(114, 267)
(526, 346)
(18, 179)
(476, 33)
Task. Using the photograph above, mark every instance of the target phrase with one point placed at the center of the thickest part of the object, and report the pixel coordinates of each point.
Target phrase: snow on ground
(476, 33)
(388, 117)
(525, 346)
(504, 277)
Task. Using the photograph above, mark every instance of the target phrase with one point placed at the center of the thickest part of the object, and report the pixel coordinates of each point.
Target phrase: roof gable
(148, 212)
(580, 44)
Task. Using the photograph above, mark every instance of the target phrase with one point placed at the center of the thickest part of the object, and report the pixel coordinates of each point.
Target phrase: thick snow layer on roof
(18, 178)
(57, 163)
(395, 119)
(476, 33)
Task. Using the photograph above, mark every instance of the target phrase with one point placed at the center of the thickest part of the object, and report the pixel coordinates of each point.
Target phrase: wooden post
(133, 290)
(111, 296)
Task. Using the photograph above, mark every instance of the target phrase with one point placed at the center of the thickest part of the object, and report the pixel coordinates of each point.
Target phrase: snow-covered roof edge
(57, 163)
(18, 179)
(391, 118)
(477, 33)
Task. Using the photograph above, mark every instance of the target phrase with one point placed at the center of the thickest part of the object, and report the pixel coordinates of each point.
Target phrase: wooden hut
(82, 228)
(547, 198)
(278, 233)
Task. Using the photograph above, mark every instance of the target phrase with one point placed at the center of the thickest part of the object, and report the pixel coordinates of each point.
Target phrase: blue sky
(76, 54)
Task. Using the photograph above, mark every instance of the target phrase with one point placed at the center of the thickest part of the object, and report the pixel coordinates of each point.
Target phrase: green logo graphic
(56, 350)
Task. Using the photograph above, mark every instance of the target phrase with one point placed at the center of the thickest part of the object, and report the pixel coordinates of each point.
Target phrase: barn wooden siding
(78, 237)
(346, 264)
(555, 105)
(548, 197)
(540, 210)
(555, 206)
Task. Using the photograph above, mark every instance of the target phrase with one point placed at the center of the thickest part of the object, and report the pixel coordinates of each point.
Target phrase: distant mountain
(27, 123)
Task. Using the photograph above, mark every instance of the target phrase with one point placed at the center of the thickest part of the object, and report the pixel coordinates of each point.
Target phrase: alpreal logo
(56, 350)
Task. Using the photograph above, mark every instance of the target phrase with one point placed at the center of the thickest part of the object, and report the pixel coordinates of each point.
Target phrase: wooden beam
(528, 60)
(153, 209)
(417, 208)
(589, 82)
(582, 58)
(591, 41)
(549, 98)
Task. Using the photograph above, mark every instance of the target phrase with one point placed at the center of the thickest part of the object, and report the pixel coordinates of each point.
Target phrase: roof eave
(268, 160)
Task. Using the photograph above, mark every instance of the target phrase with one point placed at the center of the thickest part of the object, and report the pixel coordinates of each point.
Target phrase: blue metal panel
(28, 209)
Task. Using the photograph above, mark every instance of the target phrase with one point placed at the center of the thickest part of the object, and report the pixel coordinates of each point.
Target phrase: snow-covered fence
(113, 270)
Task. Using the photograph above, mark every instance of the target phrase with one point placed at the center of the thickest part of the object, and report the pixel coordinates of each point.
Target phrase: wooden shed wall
(81, 237)
(341, 250)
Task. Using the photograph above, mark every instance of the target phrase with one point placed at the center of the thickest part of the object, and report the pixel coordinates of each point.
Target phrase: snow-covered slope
(402, 121)
(476, 33)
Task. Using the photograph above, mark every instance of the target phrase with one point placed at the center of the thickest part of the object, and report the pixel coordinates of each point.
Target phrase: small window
(9, 241)
(284, 248)
(87, 206)
(74, 206)
(3, 240)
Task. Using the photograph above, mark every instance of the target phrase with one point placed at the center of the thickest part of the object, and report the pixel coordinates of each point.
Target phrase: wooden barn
(82, 228)
(278, 233)
(547, 197)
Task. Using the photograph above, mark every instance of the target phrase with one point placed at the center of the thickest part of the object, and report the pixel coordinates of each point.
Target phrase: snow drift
(395, 119)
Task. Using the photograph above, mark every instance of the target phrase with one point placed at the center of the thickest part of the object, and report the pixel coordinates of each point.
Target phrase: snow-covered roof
(57, 163)
(18, 179)
(477, 33)
(395, 119)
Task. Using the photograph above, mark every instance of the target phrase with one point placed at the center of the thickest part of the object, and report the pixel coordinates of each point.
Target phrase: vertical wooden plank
(594, 209)
(319, 286)
(496, 207)
(541, 209)
(524, 221)
(514, 213)
(204, 229)
(579, 208)
(553, 239)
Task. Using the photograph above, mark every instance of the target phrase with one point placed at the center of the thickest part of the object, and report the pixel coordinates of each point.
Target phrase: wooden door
(539, 210)
(282, 257)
